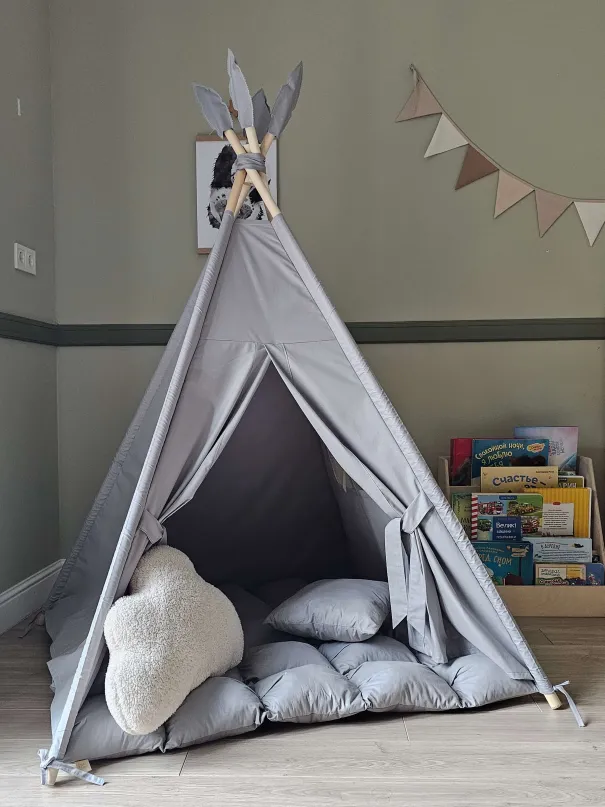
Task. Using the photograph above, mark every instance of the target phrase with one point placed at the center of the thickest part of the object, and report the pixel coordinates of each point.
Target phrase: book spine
(474, 516)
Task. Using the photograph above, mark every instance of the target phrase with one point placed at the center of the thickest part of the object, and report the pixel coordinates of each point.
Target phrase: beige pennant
(510, 191)
(421, 102)
(550, 207)
(592, 216)
(445, 138)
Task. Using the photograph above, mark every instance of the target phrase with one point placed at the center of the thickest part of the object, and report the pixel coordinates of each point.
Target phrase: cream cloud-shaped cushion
(166, 637)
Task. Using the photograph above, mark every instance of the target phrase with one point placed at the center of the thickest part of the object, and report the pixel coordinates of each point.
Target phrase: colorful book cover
(508, 564)
(574, 481)
(507, 451)
(562, 443)
(570, 574)
(581, 500)
(561, 550)
(517, 480)
(595, 574)
(460, 460)
(461, 505)
(505, 517)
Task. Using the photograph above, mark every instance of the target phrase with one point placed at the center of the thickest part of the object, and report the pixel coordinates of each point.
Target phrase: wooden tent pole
(236, 190)
(254, 175)
(267, 141)
(553, 700)
(264, 148)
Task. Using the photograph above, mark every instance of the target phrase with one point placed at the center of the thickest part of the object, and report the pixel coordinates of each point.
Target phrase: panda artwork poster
(214, 158)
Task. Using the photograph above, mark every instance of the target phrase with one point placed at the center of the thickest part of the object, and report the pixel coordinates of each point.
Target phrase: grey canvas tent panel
(259, 306)
(263, 447)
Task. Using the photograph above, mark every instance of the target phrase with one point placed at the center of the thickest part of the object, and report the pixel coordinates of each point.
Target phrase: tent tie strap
(570, 701)
(47, 762)
(398, 564)
(248, 162)
(155, 532)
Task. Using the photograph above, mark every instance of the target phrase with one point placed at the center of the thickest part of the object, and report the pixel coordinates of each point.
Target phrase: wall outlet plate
(25, 259)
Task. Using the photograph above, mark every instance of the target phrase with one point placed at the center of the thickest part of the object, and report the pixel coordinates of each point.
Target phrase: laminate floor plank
(506, 755)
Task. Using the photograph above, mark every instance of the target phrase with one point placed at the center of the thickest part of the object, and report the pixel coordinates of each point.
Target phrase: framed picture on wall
(213, 160)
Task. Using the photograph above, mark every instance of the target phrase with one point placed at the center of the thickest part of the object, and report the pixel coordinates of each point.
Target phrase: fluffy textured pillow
(168, 635)
(334, 610)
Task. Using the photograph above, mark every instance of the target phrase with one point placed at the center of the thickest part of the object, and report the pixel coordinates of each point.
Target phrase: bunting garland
(476, 165)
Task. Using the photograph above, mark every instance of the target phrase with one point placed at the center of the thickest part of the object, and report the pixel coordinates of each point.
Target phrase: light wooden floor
(516, 754)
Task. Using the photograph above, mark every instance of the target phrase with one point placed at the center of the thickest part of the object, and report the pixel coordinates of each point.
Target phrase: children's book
(508, 564)
(505, 517)
(574, 481)
(595, 574)
(562, 444)
(581, 500)
(517, 480)
(461, 505)
(460, 460)
(570, 574)
(507, 451)
(561, 550)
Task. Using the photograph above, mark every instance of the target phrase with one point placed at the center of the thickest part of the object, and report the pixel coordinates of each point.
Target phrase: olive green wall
(28, 411)
(29, 506)
(384, 229)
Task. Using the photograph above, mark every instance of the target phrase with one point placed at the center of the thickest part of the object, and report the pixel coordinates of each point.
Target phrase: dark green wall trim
(494, 330)
(27, 330)
(104, 335)
(368, 333)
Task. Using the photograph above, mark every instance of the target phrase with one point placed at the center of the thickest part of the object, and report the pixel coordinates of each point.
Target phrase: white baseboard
(27, 596)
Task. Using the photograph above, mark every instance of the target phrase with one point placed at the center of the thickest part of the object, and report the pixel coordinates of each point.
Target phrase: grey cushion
(343, 610)
(347, 656)
(268, 659)
(478, 681)
(96, 735)
(310, 694)
(402, 686)
(220, 707)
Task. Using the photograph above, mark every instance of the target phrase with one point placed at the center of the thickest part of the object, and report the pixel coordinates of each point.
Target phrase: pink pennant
(550, 206)
(510, 191)
(421, 102)
(474, 166)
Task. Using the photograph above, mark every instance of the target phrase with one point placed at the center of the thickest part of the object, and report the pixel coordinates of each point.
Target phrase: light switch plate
(25, 259)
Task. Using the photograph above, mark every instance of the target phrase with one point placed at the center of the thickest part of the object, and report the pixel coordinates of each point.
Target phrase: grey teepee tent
(264, 448)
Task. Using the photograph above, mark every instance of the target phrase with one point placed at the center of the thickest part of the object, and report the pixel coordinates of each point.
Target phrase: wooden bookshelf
(572, 601)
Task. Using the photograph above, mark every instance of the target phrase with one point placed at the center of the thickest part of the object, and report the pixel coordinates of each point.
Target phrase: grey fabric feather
(213, 108)
(286, 100)
(240, 94)
(262, 113)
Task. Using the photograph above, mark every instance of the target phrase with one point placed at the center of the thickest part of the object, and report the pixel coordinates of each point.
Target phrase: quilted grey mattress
(286, 679)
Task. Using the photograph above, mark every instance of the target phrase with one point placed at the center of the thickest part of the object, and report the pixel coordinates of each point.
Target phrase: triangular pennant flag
(420, 103)
(510, 191)
(446, 138)
(592, 216)
(474, 167)
(550, 206)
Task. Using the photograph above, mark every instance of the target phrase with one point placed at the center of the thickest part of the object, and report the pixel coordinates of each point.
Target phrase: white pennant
(592, 216)
(446, 138)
